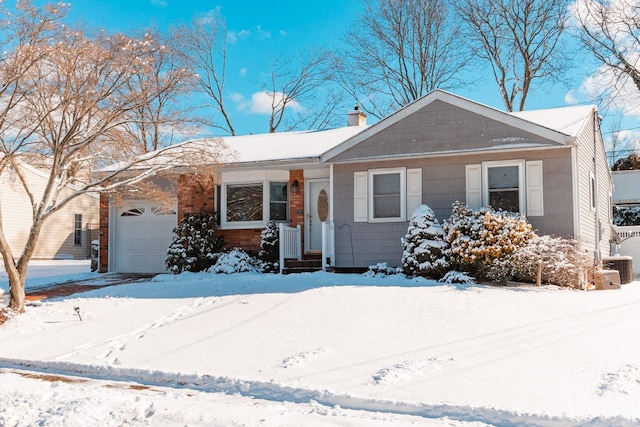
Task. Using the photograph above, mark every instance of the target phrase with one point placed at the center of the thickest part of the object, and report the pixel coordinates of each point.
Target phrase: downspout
(596, 195)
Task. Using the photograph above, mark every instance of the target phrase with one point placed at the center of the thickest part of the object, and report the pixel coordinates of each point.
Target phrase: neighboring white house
(626, 192)
(67, 234)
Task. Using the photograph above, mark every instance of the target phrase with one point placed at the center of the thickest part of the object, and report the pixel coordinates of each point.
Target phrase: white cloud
(261, 102)
(234, 36)
(571, 97)
(619, 93)
(236, 97)
(243, 72)
(263, 34)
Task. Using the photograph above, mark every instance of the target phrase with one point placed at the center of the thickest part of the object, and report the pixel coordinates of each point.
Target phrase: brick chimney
(356, 117)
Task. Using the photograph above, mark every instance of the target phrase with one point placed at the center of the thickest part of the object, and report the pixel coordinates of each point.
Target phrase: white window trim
(266, 205)
(521, 181)
(403, 193)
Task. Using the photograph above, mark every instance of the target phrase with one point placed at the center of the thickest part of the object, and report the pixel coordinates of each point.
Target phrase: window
(244, 202)
(77, 229)
(162, 211)
(386, 195)
(387, 192)
(278, 201)
(253, 204)
(132, 212)
(504, 188)
(514, 185)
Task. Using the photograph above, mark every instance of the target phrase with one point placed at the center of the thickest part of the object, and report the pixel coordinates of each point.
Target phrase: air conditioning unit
(623, 264)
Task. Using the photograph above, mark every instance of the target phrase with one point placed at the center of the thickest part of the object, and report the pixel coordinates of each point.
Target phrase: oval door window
(323, 205)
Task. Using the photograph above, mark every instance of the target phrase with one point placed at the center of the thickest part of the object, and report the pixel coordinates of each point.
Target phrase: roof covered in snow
(568, 120)
(283, 146)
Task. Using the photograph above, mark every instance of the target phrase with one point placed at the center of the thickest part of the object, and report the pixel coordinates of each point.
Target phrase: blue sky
(260, 30)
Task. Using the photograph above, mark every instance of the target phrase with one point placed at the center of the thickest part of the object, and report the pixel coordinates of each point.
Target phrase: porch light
(295, 187)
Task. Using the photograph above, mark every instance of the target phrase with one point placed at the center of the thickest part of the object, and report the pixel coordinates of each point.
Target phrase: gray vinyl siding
(443, 183)
(440, 128)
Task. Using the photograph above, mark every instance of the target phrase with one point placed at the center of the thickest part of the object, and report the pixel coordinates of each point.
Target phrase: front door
(317, 212)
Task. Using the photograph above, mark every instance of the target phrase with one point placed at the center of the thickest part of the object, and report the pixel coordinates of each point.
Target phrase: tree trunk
(17, 271)
(16, 289)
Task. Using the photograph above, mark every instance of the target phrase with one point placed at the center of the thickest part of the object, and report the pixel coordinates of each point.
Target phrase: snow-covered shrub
(234, 261)
(626, 215)
(478, 237)
(457, 277)
(557, 261)
(382, 269)
(424, 245)
(269, 254)
(195, 245)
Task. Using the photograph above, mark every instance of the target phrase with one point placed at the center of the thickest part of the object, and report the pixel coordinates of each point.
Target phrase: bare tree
(203, 46)
(293, 90)
(520, 39)
(399, 51)
(168, 117)
(611, 32)
(65, 112)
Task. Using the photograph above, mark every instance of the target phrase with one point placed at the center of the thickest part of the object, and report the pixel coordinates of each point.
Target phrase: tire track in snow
(281, 393)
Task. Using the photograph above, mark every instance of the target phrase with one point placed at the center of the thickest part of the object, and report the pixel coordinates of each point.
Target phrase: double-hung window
(504, 187)
(253, 204)
(77, 229)
(512, 185)
(386, 195)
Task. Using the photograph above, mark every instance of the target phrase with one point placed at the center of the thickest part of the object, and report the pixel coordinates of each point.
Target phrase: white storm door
(317, 207)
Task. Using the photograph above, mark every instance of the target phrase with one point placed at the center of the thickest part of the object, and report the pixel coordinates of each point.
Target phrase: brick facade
(296, 201)
(196, 197)
(193, 197)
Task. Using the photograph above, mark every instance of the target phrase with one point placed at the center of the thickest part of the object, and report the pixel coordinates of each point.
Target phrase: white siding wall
(589, 225)
(56, 238)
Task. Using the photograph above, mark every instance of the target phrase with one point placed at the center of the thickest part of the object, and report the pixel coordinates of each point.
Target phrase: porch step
(307, 265)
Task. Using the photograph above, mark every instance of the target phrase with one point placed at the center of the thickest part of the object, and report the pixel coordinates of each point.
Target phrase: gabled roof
(558, 125)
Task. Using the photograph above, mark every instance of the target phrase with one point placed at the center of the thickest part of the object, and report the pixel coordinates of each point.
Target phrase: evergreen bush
(424, 245)
(269, 254)
(195, 245)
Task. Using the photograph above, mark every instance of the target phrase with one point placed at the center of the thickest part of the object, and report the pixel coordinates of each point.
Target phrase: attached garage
(140, 234)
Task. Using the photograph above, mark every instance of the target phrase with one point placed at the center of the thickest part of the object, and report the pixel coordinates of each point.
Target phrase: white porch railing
(290, 240)
(328, 245)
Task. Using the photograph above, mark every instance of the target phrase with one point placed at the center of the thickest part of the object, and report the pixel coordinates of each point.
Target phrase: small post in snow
(77, 310)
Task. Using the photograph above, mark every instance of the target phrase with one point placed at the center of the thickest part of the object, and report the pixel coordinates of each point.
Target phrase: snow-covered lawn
(323, 349)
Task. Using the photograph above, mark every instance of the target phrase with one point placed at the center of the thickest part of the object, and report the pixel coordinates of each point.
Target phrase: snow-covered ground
(322, 349)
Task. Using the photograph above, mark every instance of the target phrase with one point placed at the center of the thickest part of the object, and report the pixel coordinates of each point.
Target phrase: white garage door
(143, 233)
